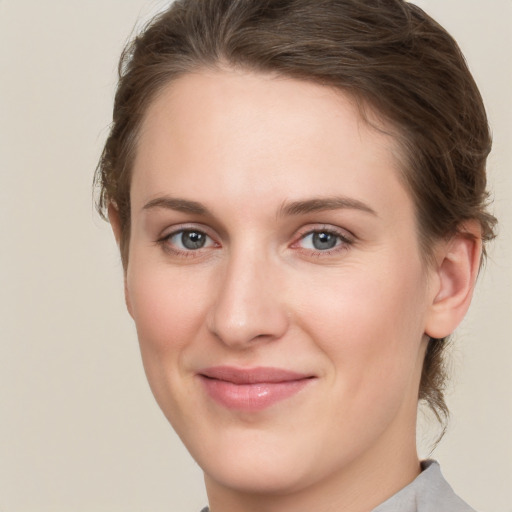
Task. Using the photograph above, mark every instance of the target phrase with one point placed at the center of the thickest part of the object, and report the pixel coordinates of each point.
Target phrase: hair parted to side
(390, 56)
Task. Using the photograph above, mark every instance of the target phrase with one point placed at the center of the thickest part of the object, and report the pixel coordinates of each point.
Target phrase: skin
(244, 147)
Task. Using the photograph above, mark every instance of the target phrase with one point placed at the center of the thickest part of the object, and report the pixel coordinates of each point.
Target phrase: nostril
(259, 336)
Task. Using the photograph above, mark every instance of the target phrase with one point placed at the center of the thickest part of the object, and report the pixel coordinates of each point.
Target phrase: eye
(188, 240)
(320, 241)
(323, 240)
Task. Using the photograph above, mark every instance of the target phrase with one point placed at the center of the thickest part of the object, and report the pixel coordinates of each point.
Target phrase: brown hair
(387, 54)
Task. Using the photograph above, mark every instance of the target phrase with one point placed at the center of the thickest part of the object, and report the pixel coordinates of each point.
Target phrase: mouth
(251, 389)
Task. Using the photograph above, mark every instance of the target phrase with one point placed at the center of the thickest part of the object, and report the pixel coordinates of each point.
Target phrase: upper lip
(252, 375)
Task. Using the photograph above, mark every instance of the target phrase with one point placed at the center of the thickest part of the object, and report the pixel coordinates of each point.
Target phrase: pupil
(193, 239)
(323, 241)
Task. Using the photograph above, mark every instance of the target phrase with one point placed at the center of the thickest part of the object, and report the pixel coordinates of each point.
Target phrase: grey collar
(429, 492)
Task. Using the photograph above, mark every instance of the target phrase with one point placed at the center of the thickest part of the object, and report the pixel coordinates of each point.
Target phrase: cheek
(165, 306)
(168, 313)
(369, 325)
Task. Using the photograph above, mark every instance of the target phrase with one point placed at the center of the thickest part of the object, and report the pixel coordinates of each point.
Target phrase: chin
(251, 460)
(266, 476)
(266, 462)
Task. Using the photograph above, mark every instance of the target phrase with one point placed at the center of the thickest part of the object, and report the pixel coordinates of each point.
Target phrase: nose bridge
(249, 303)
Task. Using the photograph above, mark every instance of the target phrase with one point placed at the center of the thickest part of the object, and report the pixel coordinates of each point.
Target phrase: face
(275, 281)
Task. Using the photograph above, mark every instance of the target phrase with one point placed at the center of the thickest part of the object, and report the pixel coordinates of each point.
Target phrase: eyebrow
(180, 205)
(324, 204)
(294, 208)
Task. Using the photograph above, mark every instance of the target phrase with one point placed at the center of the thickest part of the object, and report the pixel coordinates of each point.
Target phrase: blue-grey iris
(193, 239)
(323, 240)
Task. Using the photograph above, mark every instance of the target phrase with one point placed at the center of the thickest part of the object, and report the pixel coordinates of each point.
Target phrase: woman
(298, 191)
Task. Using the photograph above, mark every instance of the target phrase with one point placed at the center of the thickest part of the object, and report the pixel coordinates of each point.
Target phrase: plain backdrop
(79, 429)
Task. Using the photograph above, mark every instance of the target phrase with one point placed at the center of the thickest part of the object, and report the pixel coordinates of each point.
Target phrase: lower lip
(254, 396)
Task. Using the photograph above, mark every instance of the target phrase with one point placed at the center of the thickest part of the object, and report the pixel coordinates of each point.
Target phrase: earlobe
(458, 262)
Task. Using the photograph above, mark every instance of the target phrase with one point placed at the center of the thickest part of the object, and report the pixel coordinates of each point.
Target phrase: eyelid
(328, 228)
(186, 226)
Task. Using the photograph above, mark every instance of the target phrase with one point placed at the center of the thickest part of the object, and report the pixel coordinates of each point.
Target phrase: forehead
(249, 135)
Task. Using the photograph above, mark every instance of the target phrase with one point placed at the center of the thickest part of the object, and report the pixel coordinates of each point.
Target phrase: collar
(429, 492)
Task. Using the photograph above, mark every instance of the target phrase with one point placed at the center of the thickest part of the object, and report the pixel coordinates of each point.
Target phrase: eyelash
(343, 242)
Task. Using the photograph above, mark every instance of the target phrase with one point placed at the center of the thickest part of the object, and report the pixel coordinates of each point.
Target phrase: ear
(455, 273)
(115, 222)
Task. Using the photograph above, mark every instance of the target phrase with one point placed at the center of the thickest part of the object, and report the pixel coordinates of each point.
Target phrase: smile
(251, 389)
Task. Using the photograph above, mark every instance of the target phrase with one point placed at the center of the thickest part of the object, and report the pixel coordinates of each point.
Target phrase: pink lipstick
(251, 389)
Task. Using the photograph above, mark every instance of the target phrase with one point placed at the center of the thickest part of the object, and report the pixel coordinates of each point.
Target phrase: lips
(251, 389)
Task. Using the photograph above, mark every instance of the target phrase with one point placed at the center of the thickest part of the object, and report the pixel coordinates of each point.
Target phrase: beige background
(79, 430)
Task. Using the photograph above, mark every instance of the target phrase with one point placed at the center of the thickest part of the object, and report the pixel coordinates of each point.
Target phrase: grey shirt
(429, 492)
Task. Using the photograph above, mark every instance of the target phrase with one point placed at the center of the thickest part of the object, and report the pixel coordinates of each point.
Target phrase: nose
(249, 306)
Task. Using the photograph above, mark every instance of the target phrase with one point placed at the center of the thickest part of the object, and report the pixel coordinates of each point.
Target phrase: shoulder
(429, 492)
